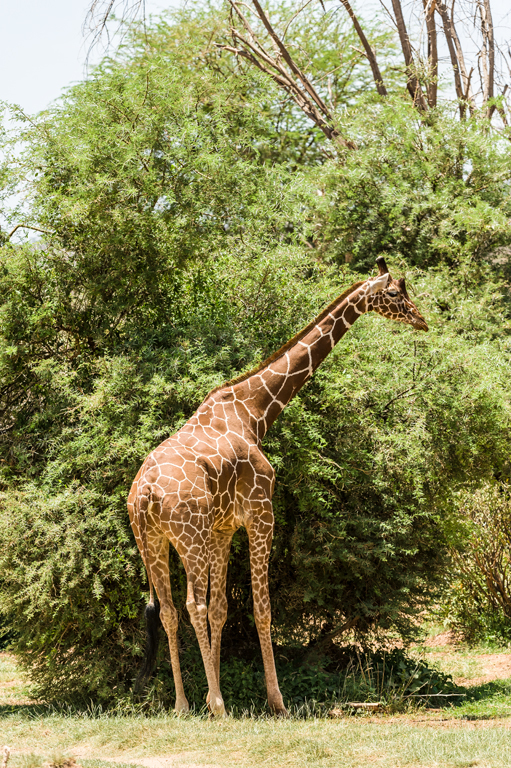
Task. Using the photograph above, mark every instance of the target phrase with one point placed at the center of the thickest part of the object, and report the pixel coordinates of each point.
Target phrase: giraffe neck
(268, 390)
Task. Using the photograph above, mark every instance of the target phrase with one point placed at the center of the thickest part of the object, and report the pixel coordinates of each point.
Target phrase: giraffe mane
(284, 348)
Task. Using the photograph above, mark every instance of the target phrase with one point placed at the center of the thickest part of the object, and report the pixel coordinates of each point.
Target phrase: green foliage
(394, 679)
(179, 251)
(429, 190)
(322, 42)
(477, 605)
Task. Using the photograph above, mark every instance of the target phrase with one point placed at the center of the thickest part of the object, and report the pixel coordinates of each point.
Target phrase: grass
(12, 685)
(466, 665)
(8, 670)
(476, 732)
(254, 742)
(461, 662)
(484, 698)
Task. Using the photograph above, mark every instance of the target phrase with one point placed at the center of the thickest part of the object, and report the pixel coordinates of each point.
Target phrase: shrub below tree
(477, 605)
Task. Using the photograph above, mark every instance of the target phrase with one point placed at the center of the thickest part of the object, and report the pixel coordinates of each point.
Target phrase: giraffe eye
(392, 293)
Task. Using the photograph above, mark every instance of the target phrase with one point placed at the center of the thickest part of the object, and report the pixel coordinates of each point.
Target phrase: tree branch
(289, 61)
(294, 82)
(488, 52)
(378, 79)
(500, 108)
(461, 78)
(28, 226)
(432, 85)
(446, 21)
(412, 84)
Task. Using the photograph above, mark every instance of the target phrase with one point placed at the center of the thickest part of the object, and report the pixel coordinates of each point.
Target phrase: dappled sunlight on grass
(476, 731)
(164, 742)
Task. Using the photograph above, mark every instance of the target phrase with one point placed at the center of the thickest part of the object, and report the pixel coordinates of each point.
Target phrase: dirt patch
(176, 760)
(485, 667)
(180, 760)
(443, 722)
(496, 666)
(431, 719)
(441, 640)
(492, 666)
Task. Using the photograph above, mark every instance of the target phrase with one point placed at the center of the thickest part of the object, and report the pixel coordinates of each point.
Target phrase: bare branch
(501, 110)
(468, 83)
(295, 82)
(487, 53)
(446, 21)
(413, 84)
(28, 226)
(378, 79)
(289, 61)
(102, 11)
(308, 2)
(461, 78)
(432, 85)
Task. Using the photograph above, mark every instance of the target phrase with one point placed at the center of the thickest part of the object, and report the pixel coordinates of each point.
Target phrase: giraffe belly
(230, 519)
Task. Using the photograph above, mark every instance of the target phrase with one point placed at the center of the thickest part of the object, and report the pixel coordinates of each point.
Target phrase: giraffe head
(389, 298)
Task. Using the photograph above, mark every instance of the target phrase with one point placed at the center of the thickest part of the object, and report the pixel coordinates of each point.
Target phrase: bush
(430, 190)
(478, 601)
(311, 680)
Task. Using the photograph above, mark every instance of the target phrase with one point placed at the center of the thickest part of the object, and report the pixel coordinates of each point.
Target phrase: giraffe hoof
(182, 707)
(277, 707)
(216, 707)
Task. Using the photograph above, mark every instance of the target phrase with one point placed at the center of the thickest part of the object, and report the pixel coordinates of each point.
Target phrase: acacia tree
(433, 26)
(435, 30)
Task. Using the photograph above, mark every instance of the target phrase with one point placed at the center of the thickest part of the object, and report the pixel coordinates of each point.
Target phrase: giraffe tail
(152, 623)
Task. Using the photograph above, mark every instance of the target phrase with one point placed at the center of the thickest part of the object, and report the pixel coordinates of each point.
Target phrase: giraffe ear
(378, 283)
(382, 267)
(402, 287)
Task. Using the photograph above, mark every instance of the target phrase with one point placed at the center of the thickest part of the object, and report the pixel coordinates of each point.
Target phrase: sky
(43, 47)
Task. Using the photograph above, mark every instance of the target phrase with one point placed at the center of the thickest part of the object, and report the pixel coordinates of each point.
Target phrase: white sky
(43, 48)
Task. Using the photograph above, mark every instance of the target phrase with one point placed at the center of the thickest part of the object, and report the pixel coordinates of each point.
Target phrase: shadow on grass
(31, 710)
(94, 711)
(489, 690)
(483, 702)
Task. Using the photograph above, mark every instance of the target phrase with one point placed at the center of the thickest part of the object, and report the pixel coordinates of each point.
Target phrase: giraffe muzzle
(420, 324)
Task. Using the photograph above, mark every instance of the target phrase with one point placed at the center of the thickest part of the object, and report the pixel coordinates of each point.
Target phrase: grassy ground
(475, 732)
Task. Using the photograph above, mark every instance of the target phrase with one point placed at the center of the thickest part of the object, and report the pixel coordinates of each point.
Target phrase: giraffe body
(199, 486)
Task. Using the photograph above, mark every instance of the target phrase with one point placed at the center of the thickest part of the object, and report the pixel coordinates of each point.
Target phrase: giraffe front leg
(260, 533)
(217, 610)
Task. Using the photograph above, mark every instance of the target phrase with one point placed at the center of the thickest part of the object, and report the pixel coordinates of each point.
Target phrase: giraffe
(211, 477)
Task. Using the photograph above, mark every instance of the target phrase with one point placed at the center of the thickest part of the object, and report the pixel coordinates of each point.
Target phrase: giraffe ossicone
(199, 486)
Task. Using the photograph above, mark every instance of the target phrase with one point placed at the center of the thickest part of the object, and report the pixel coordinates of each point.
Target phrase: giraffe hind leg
(196, 604)
(260, 534)
(158, 566)
(217, 609)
